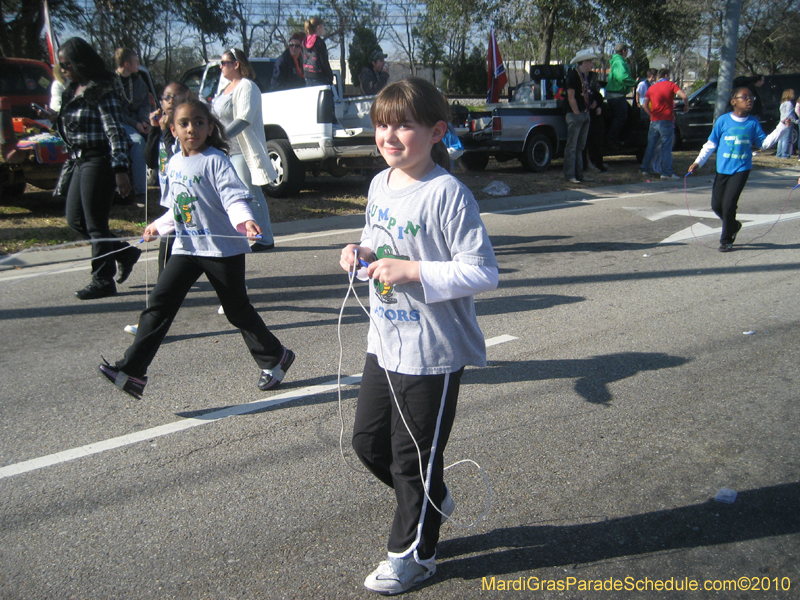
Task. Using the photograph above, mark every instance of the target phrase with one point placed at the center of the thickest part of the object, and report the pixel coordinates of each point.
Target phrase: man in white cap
(577, 116)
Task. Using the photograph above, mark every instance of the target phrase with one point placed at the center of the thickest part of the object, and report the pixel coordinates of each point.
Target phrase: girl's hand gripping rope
(150, 233)
(353, 254)
(252, 230)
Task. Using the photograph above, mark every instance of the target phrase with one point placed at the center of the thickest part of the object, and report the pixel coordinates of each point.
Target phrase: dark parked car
(694, 127)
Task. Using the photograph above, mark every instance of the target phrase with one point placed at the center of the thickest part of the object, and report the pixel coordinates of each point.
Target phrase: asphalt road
(629, 381)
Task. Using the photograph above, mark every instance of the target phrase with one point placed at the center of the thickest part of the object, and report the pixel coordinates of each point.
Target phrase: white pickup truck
(314, 128)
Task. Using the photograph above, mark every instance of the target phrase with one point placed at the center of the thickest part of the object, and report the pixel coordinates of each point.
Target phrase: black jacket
(285, 75)
(372, 82)
(316, 67)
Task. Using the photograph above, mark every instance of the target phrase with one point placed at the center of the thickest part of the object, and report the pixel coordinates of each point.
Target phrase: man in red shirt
(659, 104)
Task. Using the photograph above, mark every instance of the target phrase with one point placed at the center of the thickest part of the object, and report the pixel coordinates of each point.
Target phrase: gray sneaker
(448, 505)
(396, 575)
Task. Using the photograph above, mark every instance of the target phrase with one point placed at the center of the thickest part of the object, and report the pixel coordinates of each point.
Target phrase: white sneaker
(673, 176)
(132, 329)
(448, 505)
(574, 180)
(396, 575)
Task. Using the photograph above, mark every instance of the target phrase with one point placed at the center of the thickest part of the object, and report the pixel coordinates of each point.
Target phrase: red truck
(36, 156)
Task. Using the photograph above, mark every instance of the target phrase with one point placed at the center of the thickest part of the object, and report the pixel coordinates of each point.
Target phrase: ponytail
(441, 156)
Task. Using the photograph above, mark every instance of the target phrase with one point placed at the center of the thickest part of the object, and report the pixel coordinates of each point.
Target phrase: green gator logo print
(184, 206)
(386, 292)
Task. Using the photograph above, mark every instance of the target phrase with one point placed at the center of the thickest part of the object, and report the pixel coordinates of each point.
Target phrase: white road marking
(701, 229)
(211, 417)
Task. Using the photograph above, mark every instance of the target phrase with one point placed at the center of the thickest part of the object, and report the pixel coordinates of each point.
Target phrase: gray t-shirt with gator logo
(435, 219)
(200, 189)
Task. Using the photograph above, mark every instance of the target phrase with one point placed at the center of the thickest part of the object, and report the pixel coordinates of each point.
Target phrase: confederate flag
(497, 71)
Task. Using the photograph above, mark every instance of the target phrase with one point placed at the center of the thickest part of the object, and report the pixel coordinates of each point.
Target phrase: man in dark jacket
(373, 78)
(288, 71)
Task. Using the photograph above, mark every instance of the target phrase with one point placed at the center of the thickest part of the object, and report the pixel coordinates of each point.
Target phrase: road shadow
(593, 374)
(756, 514)
(349, 392)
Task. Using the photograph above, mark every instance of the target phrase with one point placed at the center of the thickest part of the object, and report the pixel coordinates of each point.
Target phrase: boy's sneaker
(132, 329)
(726, 247)
(271, 378)
(673, 176)
(736, 229)
(448, 505)
(131, 385)
(396, 575)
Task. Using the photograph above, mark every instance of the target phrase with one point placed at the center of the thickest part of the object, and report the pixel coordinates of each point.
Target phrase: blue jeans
(785, 145)
(259, 203)
(138, 167)
(660, 131)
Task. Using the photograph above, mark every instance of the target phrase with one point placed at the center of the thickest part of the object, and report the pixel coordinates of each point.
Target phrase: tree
(209, 18)
(768, 36)
(22, 23)
(364, 43)
(402, 30)
(469, 76)
(431, 48)
(342, 17)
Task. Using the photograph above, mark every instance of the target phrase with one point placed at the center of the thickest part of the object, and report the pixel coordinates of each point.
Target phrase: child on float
(428, 254)
(212, 222)
(733, 137)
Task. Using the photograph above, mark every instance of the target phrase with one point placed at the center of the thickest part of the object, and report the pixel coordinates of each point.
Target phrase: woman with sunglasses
(288, 71)
(90, 124)
(238, 107)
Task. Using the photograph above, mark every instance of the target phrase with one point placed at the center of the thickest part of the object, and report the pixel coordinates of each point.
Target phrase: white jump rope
(350, 288)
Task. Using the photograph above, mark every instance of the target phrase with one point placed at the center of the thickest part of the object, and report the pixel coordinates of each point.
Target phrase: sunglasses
(745, 97)
(168, 98)
(294, 45)
(227, 62)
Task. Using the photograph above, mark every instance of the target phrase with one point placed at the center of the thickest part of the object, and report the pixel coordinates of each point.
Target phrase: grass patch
(37, 219)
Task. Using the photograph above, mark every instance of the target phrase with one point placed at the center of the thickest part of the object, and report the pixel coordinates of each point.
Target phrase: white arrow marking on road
(701, 229)
(161, 430)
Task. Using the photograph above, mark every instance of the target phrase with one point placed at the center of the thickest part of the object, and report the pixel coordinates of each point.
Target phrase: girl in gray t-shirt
(211, 220)
(428, 253)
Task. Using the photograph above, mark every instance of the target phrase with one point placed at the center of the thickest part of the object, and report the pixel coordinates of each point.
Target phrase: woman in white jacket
(238, 107)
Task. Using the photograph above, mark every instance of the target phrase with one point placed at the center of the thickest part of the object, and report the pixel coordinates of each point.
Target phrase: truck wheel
(14, 189)
(538, 153)
(291, 172)
(12, 181)
(474, 161)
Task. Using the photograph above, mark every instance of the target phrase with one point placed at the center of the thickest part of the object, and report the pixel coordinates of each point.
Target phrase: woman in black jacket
(90, 124)
(288, 71)
(316, 67)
